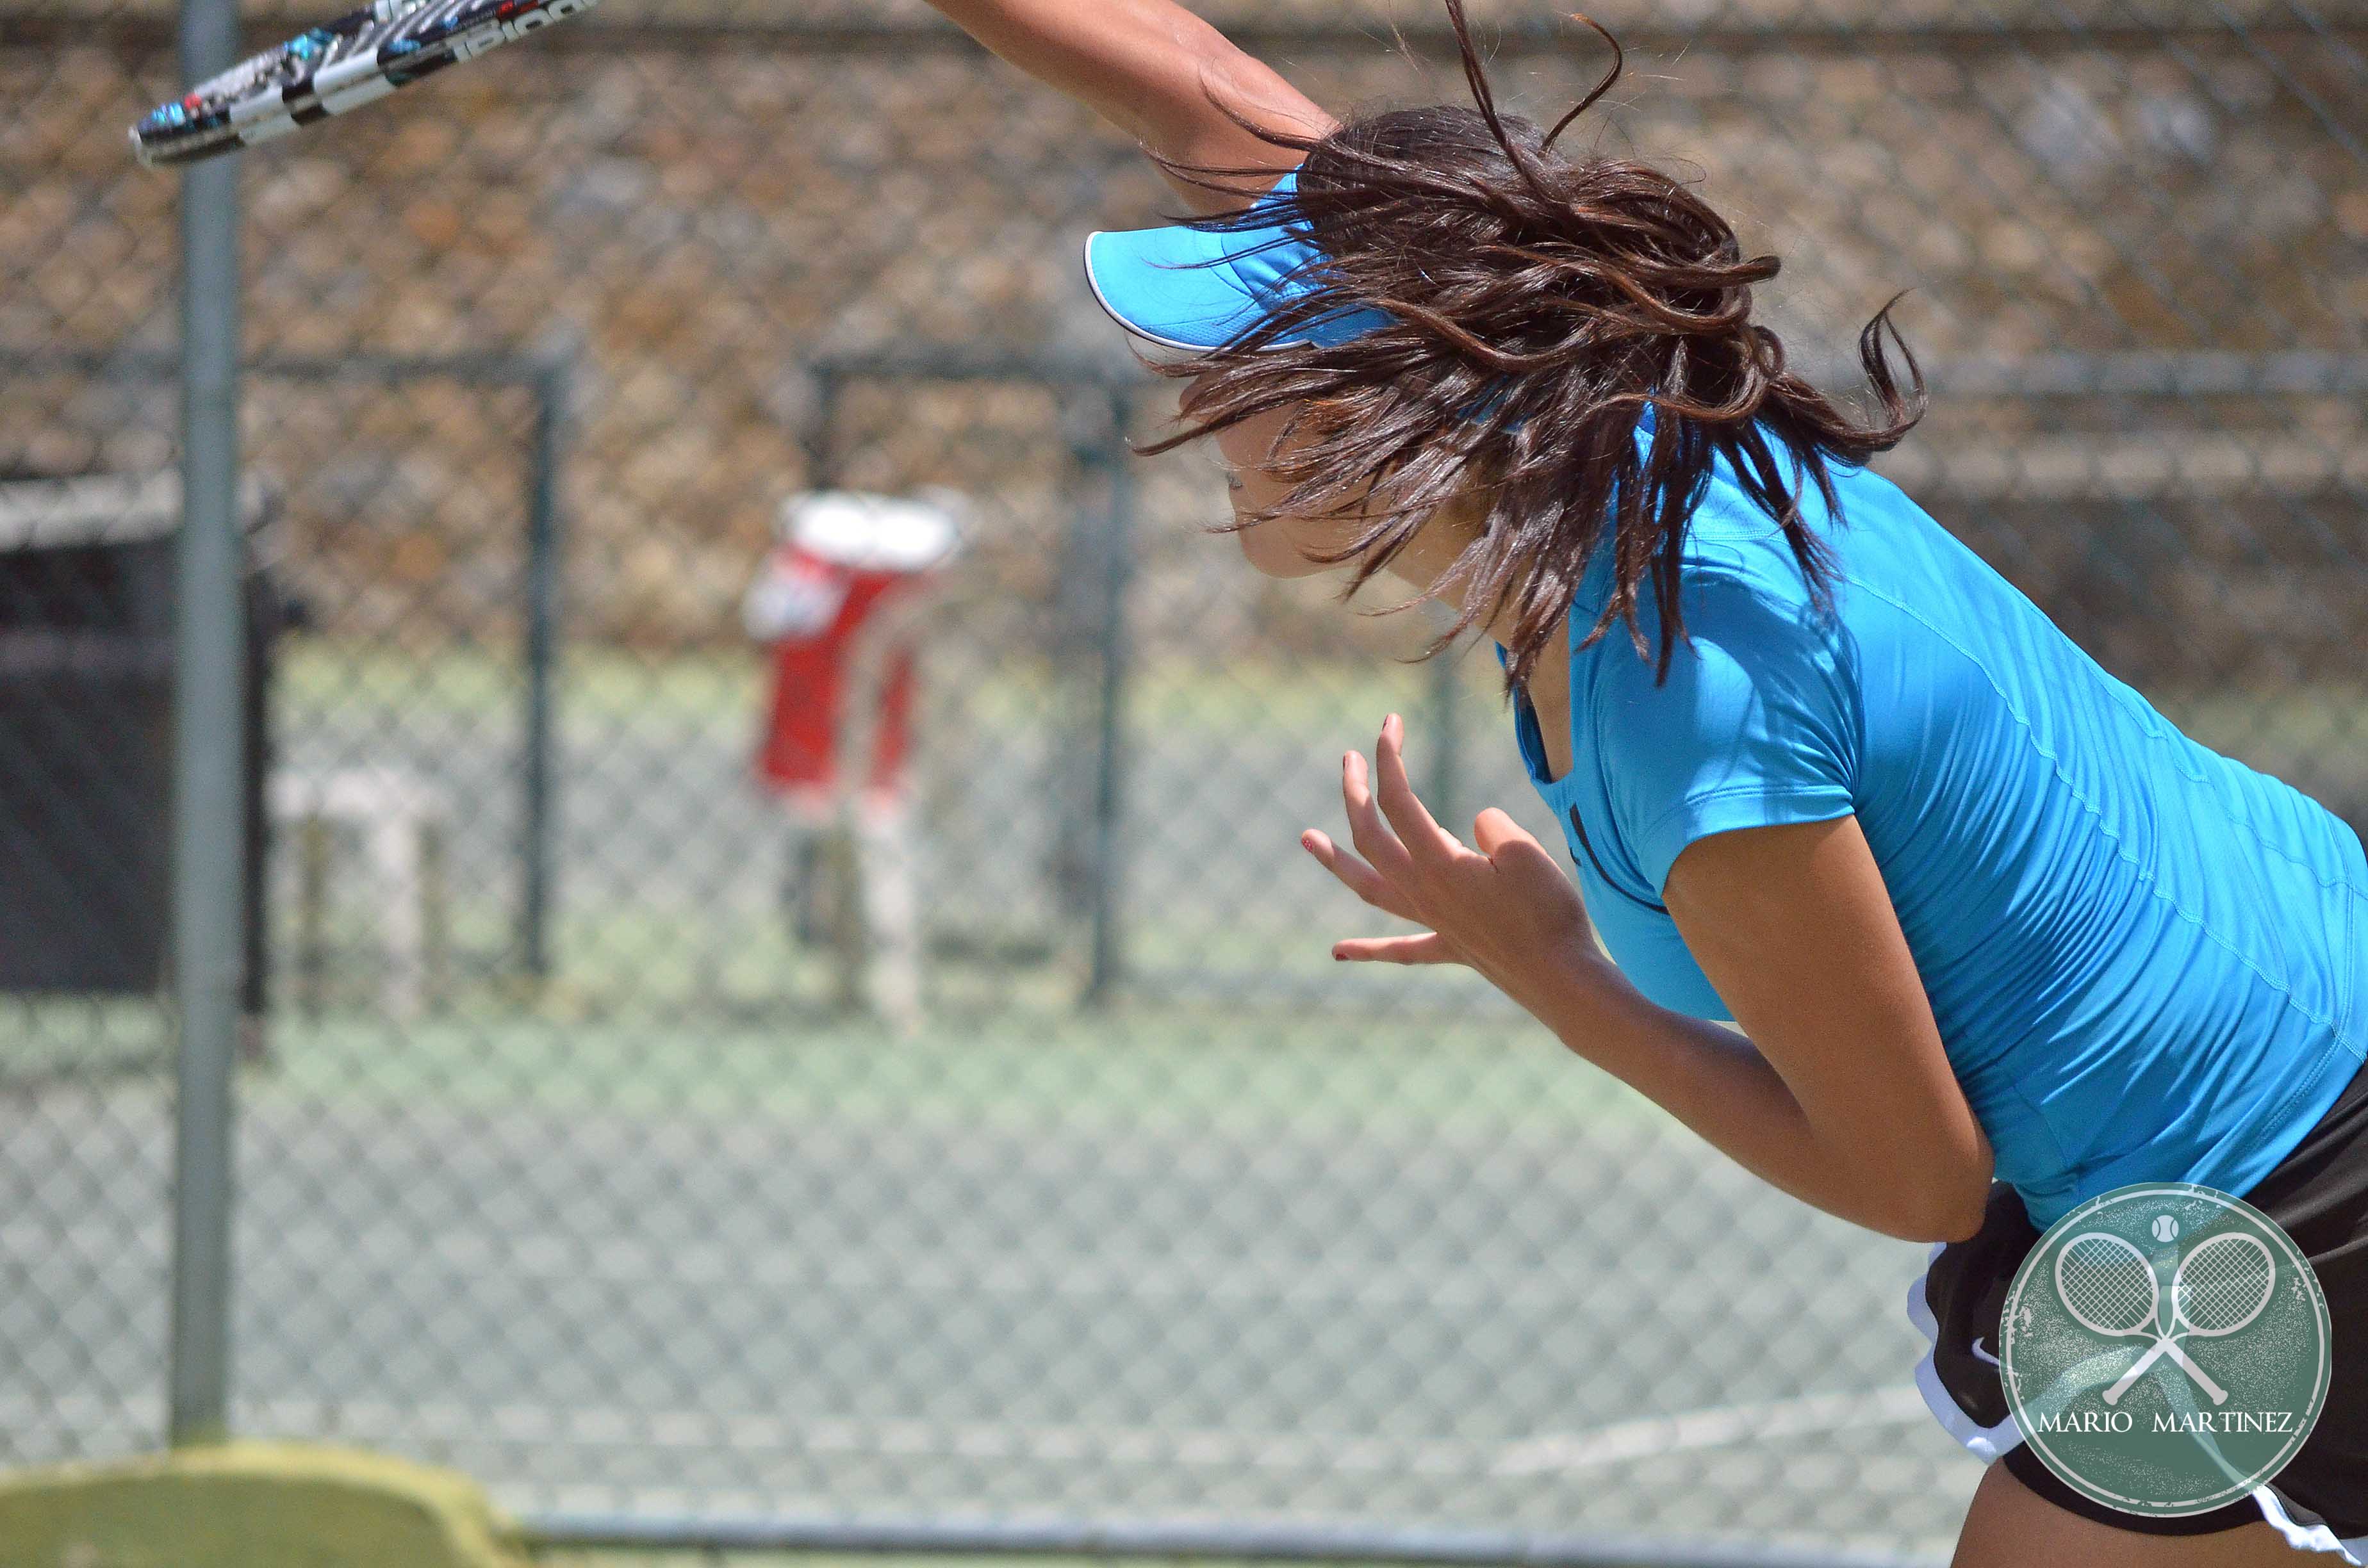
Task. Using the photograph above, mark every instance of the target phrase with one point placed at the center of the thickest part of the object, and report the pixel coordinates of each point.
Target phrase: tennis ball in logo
(2164, 1349)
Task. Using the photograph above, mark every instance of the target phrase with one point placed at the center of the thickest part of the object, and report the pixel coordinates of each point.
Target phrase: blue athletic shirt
(2144, 957)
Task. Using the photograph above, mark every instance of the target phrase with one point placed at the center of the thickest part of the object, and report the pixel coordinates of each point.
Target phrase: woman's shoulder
(1752, 641)
(1741, 593)
(1750, 613)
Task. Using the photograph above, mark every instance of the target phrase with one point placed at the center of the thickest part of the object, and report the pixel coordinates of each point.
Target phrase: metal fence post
(208, 824)
(1115, 560)
(546, 561)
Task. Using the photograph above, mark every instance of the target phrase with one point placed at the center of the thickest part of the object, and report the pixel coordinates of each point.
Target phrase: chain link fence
(576, 1145)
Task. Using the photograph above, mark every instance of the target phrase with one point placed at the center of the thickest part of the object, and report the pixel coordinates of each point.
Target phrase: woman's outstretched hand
(1502, 907)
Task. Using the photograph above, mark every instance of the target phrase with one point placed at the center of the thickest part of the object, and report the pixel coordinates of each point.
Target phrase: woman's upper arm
(1158, 71)
(1734, 785)
(1795, 928)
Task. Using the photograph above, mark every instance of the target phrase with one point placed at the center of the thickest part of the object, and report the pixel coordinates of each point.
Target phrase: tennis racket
(2109, 1287)
(2220, 1287)
(327, 70)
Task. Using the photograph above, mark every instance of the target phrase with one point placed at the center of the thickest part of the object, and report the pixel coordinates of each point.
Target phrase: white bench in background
(401, 822)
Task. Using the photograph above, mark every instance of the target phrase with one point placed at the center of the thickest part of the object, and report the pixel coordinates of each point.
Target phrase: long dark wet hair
(1539, 305)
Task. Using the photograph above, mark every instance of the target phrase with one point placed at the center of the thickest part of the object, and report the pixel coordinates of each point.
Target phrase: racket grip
(2137, 1368)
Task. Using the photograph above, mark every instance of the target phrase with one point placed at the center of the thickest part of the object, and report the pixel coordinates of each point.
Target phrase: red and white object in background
(844, 557)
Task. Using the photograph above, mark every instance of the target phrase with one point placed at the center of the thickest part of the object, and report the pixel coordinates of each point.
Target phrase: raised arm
(1157, 72)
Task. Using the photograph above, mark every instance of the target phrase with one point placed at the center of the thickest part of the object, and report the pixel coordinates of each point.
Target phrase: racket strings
(2222, 1287)
(2107, 1284)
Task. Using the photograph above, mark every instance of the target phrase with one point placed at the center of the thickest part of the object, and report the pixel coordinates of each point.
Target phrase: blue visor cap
(1200, 288)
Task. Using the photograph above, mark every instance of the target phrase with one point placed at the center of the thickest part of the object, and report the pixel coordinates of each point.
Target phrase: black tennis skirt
(2319, 1194)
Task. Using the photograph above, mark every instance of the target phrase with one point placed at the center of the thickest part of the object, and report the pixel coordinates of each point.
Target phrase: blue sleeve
(1758, 724)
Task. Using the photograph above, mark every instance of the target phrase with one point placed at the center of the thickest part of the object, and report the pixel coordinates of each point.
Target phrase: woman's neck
(1426, 564)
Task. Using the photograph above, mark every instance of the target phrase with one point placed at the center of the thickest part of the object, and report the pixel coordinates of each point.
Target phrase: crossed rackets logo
(2116, 1354)
(2218, 1286)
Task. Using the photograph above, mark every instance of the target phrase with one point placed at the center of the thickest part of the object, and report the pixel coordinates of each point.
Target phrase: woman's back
(2143, 957)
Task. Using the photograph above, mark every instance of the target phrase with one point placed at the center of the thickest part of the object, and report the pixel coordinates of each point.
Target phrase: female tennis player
(1996, 937)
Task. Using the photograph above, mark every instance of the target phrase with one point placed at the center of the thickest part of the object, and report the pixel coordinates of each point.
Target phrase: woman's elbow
(1938, 1187)
(1958, 1220)
(1940, 1212)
